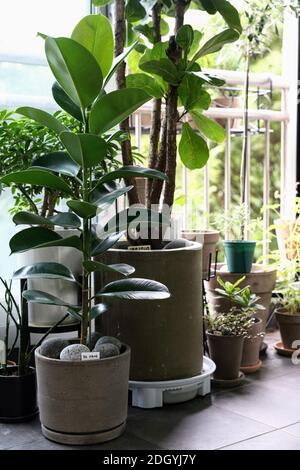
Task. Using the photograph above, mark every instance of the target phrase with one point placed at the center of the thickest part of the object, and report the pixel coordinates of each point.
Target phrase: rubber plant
(170, 71)
(82, 68)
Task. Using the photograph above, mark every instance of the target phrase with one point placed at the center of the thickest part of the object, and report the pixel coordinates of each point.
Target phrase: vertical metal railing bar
(227, 170)
(206, 192)
(248, 188)
(185, 184)
(266, 190)
(138, 130)
(283, 156)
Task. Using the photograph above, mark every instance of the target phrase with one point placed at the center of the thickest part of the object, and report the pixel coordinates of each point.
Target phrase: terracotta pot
(252, 344)
(227, 102)
(165, 336)
(289, 326)
(45, 315)
(83, 402)
(18, 396)
(226, 352)
(261, 281)
(209, 240)
(288, 238)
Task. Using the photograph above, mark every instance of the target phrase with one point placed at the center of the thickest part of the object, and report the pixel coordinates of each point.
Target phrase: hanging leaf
(94, 32)
(134, 11)
(193, 149)
(94, 266)
(145, 82)
(39, 297)
(164, 68)
(135, 289)
(114, 107)
(86, 150)
(185, 37)
(211, 129)
(37, 177)
(65, 102)
(81, 83)
(44, 271)
(104, 201)
(84, 209)
(43, 118)
(229, 13)
(66, 220)
(97, 310)
(118, 61)
(216, 43)
(104, 245)
(40, 237)
(59, 162)
(132, 171)
(192, 94)
(63, 219)
(207, 5)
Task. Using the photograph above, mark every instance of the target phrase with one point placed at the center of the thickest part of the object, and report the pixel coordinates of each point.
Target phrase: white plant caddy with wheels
(157, 394)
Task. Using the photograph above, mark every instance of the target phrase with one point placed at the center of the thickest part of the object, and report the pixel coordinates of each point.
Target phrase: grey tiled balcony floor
(263, 413)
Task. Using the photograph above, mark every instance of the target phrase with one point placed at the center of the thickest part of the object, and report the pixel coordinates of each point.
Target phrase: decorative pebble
(52, 347)
(94, 338)
(109, 339)
(73, 352)
(179, 243)
(107, 350)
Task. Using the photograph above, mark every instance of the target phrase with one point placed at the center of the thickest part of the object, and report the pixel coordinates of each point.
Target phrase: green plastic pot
(239, 255)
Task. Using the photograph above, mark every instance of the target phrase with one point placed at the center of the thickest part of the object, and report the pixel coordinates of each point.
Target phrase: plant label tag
(139, 248)
(90, 356)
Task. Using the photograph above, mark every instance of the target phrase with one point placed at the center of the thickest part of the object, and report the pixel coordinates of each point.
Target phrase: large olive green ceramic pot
(165, 336)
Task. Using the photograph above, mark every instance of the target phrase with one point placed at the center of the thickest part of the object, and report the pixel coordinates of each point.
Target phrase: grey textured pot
(45, 315)
(209, 240)
(83, 402)
(165, 336)
(252, 344)
(261, 281)
(289, 326)
(226, 352)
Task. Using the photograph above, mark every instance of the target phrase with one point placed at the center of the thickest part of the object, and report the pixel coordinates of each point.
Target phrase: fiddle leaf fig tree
(80, 71)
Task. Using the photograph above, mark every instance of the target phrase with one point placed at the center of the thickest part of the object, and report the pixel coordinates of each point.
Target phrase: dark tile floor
(263, 413)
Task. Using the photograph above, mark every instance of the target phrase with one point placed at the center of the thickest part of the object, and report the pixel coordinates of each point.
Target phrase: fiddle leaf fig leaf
(193, 149)
(65, 102)
(164, 68)
(192, 94)
(94, 32)
(58, 162)
(145, 82)
(229, 13)
(216, 43)
(87, 150)
(134, 11)
(211, 129)
(37, 177)
(185, 37)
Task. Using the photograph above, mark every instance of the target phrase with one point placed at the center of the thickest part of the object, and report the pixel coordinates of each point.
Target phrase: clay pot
(226, 352)
(209, 240)
(165, 336)
(18, 396)
(289, 326)
(83, 402)
(288, 238)
(261, 281)
(252, 344)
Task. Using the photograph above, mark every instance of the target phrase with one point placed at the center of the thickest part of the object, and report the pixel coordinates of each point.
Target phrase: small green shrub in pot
(80, 400)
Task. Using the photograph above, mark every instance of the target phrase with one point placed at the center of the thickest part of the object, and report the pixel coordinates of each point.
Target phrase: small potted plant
(226, 333)
(209, 240)
(249, 302)
(83, 397)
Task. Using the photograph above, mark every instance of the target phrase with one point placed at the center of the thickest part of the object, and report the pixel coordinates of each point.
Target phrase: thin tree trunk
(120, 34)
(160, 165)
(45, 203)
(245, 156)
(52, 202)
(156, 110)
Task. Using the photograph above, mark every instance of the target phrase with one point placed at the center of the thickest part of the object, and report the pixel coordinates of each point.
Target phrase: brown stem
(45, 203)
(120, 34)
(85, 308)
(53, 196)
(160, 165)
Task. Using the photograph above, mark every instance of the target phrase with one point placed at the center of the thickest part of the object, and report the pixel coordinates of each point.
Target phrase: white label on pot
(139, 248)
(90, 356)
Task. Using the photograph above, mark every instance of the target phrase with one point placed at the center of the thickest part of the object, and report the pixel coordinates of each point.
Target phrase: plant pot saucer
(83, 439)
(224, 383)
(251, 369)
(282, 350)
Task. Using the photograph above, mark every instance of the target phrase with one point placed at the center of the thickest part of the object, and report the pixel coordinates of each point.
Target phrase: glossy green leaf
(103, 201)
(193, 149)
(118, 61)
(164, 68)
(134, 11)
(192, 94)
(208, 6)
(145, 82)
(216, 43)
(229, 13)
(132, 171)
(97, 310)
(185, 37)
(135, 289)
(101, 3)
(102, 246)
(63, 219)
(37, 177)
(84, 209)
(65, 102)
(43, 118)
(40, 237)
(198, 35)
(95, 33)
(93, 266)
(211, 129)
(58, 162)
(75, 69)
(40, 297)
(44, 271)
(114, 107)
(87, 150)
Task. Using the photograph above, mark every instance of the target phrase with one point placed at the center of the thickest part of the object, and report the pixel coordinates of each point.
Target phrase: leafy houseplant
(71, 412)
